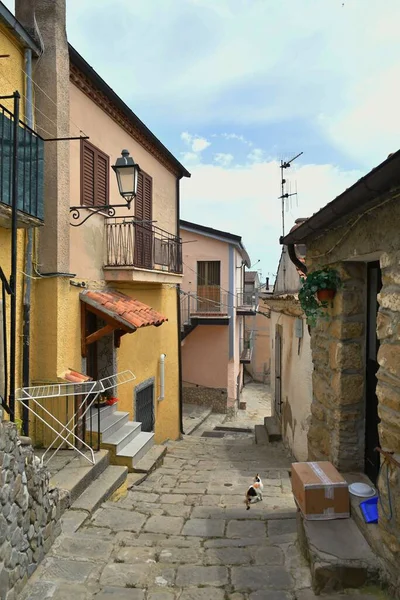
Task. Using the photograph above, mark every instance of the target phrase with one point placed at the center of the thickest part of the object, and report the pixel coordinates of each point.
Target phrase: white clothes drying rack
(90, 390)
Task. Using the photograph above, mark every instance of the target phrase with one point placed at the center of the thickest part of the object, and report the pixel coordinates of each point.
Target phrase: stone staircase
(269, 432)
(125, 441)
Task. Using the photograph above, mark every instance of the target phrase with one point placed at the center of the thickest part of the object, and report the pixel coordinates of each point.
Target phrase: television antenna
(285, 192)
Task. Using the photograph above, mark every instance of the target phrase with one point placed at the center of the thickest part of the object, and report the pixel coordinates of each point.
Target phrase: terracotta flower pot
(112, 401)
(325, 295)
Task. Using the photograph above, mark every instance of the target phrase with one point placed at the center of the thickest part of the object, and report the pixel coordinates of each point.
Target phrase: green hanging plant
(317, 290)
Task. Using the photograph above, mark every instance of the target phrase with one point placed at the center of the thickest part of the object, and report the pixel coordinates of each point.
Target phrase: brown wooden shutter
(95, 175)
(143, 212)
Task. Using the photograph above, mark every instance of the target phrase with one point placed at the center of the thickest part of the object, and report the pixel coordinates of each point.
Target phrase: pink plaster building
(214, 307)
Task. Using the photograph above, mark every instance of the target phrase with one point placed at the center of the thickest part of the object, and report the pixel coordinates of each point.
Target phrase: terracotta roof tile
(74, 376)
(127, 311)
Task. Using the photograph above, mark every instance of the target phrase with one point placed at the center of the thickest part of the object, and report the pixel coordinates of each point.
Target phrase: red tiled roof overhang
(126, 312)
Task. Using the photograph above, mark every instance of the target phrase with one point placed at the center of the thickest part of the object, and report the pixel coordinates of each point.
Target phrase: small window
(95, 175)
(209, 273)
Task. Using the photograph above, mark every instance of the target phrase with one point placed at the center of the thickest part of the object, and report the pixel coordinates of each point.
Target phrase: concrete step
(131, 454)
(151, 460)
(122, 437)
(101, 489)
(105, 411)
(110, 424)
(261, 435)
(338, 554)
(77, 475)
(272, 426)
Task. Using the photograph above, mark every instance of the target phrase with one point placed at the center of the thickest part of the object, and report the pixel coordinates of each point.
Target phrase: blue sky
(233, 86)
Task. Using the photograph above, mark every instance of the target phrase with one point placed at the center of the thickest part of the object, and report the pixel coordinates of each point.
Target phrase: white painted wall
(296, 382)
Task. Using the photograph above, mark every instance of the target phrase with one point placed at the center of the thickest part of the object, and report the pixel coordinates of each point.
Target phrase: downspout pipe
(162, 376)
(28, 259)
(293, 257)
(178, 309)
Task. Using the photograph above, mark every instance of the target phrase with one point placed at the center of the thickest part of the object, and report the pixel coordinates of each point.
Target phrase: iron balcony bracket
(108, 210)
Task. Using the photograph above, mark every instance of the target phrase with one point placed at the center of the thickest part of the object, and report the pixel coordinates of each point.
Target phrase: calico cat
(254, 491)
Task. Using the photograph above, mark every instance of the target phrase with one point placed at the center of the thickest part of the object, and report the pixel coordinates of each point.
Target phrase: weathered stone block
(345, 330)
(348, 388)
(389, 438)
(384, 325)
(319, 438)
(348, 302)
(390, 299)
(322, 391)
(345, 356)
(389, 358)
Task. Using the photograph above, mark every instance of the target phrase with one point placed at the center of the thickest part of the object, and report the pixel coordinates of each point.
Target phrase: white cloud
(244, 200)
(223, 159)
(256, 155)
(190, 158)
(196, 143)
(199, 144)
(235, 136)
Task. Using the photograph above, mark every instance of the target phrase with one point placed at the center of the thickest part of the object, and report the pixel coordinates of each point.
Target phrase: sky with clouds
(231, 87)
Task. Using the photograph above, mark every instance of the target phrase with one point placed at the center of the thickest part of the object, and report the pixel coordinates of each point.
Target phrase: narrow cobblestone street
(184, 534)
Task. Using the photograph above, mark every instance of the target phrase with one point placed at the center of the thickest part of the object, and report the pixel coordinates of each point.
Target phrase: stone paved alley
(184, 534)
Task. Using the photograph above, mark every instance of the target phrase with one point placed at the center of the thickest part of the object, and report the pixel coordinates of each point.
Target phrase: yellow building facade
(14, 45)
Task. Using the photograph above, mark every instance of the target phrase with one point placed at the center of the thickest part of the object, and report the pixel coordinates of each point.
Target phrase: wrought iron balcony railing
(30, 166)
(134, 244)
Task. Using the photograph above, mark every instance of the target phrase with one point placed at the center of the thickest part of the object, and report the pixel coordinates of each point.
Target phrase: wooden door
(374, 285)
(209, 286)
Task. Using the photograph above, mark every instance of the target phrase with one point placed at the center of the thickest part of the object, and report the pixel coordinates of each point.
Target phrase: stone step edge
(189, 430)
(101, 489)
(153, 459)
(67, 496)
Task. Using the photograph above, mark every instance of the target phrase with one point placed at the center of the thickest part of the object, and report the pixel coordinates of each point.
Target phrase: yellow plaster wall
(12, 79)
(140, 352)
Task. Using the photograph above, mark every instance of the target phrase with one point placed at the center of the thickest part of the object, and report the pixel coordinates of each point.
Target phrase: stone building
(356, 352)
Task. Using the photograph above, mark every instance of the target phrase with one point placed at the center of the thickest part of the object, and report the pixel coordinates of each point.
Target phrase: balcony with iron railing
(246, 347)
(139, 248)
(209, 306)
(247, 302)
(30, 157)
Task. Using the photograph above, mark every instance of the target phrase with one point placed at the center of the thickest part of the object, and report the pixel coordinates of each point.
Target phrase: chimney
(267, 284)
(46, 19)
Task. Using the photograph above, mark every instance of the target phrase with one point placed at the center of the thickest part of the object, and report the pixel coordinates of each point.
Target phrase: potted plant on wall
(317, 290)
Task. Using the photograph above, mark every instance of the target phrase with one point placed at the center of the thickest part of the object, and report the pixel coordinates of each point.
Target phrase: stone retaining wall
(215, 398)
(29, 513)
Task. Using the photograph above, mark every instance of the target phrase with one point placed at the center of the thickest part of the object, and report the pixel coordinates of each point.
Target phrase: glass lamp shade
(127, 172)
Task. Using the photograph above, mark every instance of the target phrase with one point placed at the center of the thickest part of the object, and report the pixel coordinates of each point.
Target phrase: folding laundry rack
(90, 390)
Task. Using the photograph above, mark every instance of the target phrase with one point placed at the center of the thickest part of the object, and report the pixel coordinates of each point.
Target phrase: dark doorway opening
(278, 371)
(144, 409)
(374, 285)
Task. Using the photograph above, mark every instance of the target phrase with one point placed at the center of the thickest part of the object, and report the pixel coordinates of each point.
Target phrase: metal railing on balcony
(247, 298)
(135, 244)
(246, 346)
(30, 166)
(213, 303)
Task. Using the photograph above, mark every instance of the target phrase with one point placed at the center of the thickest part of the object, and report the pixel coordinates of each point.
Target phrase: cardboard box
(320, 491)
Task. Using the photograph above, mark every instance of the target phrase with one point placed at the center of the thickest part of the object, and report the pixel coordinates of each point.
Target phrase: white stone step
(122, 437)
(105, 411)
(110, 424)
(136, 449)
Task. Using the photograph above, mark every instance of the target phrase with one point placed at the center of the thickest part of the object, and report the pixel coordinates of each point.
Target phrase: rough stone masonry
(29, 513)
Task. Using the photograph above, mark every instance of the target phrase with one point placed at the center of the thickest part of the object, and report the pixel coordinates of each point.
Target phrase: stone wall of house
(215, 398)
(338, 347)
(388, 392)
(29, 513)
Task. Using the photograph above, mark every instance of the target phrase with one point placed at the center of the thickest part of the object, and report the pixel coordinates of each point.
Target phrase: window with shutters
(144, 250)
(208, 286)
(95, 175)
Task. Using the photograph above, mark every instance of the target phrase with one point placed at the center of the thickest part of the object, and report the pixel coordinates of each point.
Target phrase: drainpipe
(162, 376)
(28, 259)
(293, 257)
(178, 308)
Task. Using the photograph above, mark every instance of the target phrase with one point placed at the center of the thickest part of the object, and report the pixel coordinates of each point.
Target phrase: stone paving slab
(185, 534)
